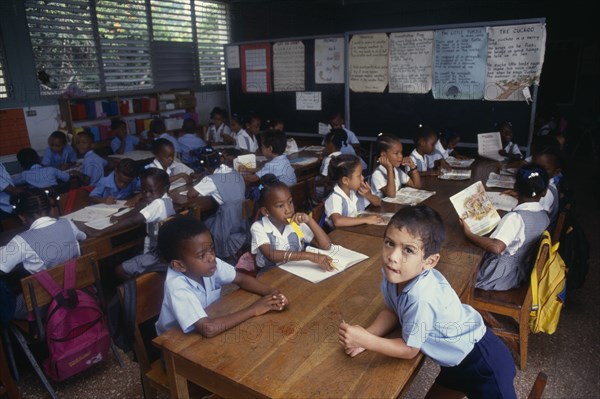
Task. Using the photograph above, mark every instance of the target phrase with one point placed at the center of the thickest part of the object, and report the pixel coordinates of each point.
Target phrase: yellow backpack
(547, 294)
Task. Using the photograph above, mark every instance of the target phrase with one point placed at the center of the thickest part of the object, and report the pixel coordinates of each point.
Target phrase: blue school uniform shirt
(93, 166)
(42, 176)
(5, 181)
(67, 155)
(107, 187)
(185, 299)
(281, 167)
(190, 142)
(130, 142)
(433, 319)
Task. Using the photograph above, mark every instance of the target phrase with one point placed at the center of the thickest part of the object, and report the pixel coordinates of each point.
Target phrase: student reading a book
(194, 280)
(510, 150)
(423, 155)
(92, 167)
(391, 174)
(246, 138)
(164, 158)
(59, 154)
(120, 184)
(123, 141)
(46, 243)
(334, 141)
(351, 194)
(36, 175)
(273, 143)
(280, 234)
(506, 263)
(448, 139)
(420, 301)
(218, 131)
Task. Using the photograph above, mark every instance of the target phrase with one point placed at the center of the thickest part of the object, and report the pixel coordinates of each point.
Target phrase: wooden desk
(295, 353)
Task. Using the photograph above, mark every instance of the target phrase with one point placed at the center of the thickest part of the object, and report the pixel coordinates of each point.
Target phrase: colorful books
(409, 196)
(475, 208)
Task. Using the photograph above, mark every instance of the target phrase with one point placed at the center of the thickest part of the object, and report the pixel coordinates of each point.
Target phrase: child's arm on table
(283, 256)
(251, 284)
(492, 245)
(356, 339)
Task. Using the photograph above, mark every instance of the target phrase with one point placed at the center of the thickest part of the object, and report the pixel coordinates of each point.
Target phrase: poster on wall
(410, 58)
(288, 66)
(232, 57)
(308, 101)
(329, 60)
(256, 68)
(459, 63)
(368, 63)
(514, 60)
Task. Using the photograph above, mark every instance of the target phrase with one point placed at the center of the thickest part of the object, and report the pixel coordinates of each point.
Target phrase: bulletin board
(14, 134)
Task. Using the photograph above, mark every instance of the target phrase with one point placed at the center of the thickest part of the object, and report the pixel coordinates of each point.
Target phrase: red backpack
(76, 330)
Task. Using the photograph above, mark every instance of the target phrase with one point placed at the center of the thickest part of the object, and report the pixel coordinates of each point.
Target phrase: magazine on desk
(501, 201)
(248, 161)
(475, 208)
(409, 196)
(501, 181)
(94, 212)
(489, 144)
(343, 258)
(459, 163)
(455, 174)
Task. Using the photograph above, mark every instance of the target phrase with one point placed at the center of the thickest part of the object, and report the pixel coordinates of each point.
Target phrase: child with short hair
(123, 142)
(274, 238)
(164, 159)
(120, 184)
(273, 143)
(92, 167)
(155, 206)
(59, 153)
(388, 177)
(35, 174)
(350, 194)
(246, 138)
(506, 263)
(189, 142)
(160, 129)
(425, 139)
(510, 150)
(194, 280)
(218, 129)
(421, 301)
(334, 141)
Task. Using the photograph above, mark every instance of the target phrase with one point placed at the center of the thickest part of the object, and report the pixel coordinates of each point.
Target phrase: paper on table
(248, 160)
(304, 160)
(101, 224)
(459, 163)
(455, 174)
(488, 145)
(475, 208)
(385, 216)
(314, 148)
(409, 196)
(93, 212)
(502, 181)
(502, 201)
(343, 258)
(508, 171)
(136, 155)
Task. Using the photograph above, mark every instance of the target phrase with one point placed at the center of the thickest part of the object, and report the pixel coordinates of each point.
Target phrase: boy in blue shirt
(474, 362)
(59, 153)
(123, 141)
(120, 184)
(37, 175)
(189, 142)
(92, 167)
(194, 281)
(273, 143)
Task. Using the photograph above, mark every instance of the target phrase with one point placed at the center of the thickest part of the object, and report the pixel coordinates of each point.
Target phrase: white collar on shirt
(157, 164)
(334, 154)
(529, 206)
(270, 228)
(416, 154)
(42, 222)
(352, 198)
(440, 147)
(223, 169)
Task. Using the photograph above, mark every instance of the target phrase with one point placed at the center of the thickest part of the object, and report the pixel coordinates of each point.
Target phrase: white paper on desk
(459, 163)
(177, 183)
(99, 224)
(93, 212)
(409, 196)
(508, 171)
(502, 201)
(455, 174)
(474, 206)
(304, 160)
(315, 148)
(501, 181)
(343, 258)
(248, 161)
(136, 155)
(385, 216)
(488, 145)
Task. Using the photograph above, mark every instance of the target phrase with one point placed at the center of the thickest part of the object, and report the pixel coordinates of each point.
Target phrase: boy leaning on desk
(474, 362)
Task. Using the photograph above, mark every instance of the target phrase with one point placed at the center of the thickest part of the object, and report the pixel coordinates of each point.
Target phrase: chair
(513, 307)
(37, 298)
(538, 386)
(73, 200)
(7, 384)
(149, 292)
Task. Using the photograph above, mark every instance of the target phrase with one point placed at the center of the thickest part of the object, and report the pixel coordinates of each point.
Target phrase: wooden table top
(295, 353)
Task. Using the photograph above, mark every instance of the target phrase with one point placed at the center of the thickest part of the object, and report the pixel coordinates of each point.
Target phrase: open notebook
(343, 258)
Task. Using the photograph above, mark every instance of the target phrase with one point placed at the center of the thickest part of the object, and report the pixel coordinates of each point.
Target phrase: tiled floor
(570, 357)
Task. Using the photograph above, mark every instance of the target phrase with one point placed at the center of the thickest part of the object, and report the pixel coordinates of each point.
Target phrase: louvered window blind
(212, 27)
(3, 80)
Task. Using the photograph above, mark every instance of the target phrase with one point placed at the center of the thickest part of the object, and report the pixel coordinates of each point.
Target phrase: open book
(459, 163)
(248, 161)
(501, 181)
(455, 174)
(475, 208)
(488, 145)
(502, 201)
(409, 196)
(343, 258)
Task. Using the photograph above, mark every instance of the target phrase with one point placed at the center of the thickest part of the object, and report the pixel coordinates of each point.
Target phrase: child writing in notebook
(334, 141)
(218, 131)
(390, 175)
(154, 207)
(279, 236)
(432, 319)
(92, 167)
(350, 194)
(423, 154)
(123, 141)
(194, 280)
(120, 184)
(246, 138)
(37, 175)
(510, 150)
(59, 153)
(46, 243)
(273, 143)
(164, 159)
(506, 262)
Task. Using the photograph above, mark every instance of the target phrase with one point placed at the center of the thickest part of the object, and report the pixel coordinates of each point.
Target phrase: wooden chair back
(73, 200)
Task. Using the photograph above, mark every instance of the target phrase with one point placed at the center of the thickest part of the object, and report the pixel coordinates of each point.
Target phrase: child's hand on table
(325, 262)
(110, 200)
(372, 219)
(269, 302)
(350, 337)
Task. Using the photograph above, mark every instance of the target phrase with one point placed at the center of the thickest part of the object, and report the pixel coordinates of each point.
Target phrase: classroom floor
(570, 357)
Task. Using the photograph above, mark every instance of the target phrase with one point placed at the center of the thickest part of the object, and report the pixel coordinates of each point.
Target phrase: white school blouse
(511, 229)
(327, 161)
(379, 180)
(260, 231)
